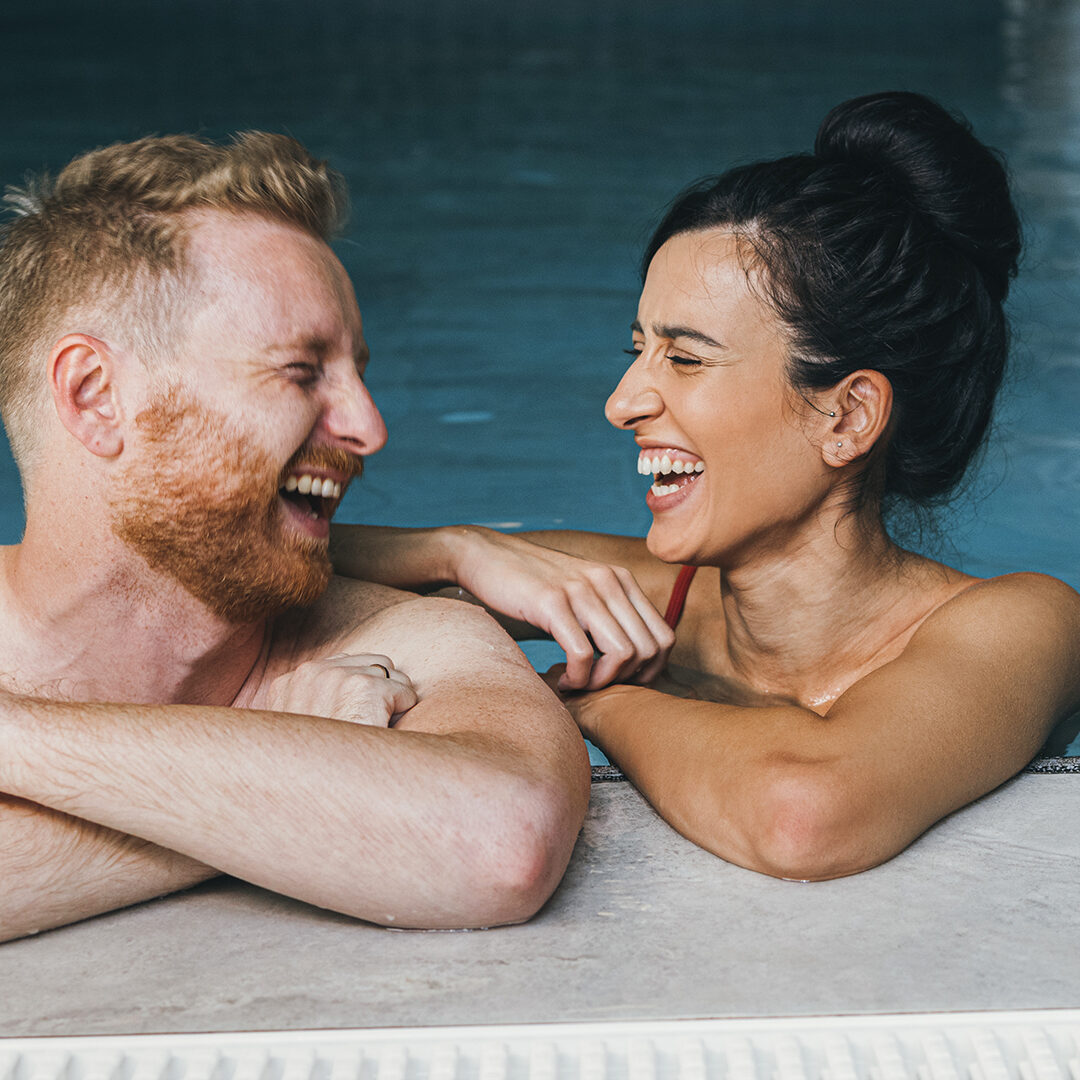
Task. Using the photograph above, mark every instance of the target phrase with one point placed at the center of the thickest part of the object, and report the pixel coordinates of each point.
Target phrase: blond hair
(107, 238)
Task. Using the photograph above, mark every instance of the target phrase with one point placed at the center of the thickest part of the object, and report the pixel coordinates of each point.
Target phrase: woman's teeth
(313, 485)
(663, 465)
(658, 465)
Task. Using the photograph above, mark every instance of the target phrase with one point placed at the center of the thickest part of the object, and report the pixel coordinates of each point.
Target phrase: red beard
(200, 504)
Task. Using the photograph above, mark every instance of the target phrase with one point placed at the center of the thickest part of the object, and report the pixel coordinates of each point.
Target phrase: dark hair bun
(890, 248)
(938, 166)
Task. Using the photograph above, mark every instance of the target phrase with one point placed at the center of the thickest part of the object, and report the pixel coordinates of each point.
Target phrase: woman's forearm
(755, 785)
(420, 560)
(534, 589)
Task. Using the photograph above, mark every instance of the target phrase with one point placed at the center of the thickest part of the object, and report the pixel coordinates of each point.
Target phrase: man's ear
(82, 380)
(863, 405)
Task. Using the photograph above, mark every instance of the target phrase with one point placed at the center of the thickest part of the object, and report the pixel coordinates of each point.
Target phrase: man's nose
(352, 418)
(634, 400)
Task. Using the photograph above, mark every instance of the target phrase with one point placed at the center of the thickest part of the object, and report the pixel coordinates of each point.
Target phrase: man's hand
(587, 607)
(359, 689)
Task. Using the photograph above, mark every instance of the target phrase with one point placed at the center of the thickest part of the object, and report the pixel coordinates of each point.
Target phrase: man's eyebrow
(317, 345)
(312, 345)
(679, 332)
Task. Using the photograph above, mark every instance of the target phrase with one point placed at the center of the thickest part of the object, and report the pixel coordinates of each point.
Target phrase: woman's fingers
(658, 629)
(649, 637)
(629, 645)
(620, 637)
(587, 607)
(567, 631)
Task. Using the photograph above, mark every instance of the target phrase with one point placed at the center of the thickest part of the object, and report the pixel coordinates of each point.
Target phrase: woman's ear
(83, 384)
(863, 405)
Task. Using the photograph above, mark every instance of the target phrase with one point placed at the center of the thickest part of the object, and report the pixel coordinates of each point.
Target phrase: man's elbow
(522, 860)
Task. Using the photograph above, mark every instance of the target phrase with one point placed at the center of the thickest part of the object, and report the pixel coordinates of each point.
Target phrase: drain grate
(951, 1046)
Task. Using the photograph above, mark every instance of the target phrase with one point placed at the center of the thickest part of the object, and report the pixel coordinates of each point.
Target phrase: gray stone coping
(980, 913)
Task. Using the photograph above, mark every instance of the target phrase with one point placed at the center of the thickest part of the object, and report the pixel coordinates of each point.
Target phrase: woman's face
(735, 453)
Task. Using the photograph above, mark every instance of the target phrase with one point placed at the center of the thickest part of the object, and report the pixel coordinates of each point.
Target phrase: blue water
(506, 161)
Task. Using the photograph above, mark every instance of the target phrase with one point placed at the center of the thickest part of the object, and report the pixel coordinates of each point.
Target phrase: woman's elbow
(808, 825)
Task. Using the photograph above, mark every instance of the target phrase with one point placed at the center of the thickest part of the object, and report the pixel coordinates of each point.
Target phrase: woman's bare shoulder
(1017, 626)
(1013, 599)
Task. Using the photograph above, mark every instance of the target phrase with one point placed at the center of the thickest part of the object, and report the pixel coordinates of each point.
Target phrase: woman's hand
(588, 709)
(587, 607)
(359, 689)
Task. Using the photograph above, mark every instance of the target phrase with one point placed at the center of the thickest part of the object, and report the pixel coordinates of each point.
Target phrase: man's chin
(240, 601)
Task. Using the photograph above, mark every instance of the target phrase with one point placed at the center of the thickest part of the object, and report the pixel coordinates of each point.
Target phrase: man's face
(236, 467)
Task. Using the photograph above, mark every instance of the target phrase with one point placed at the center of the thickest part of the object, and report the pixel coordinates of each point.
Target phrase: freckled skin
(385, 756)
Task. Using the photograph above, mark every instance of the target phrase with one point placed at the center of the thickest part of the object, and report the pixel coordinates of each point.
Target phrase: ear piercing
(839, 444)
(816, 408)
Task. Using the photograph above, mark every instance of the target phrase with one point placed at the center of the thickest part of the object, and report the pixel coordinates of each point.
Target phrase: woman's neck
(807, 618)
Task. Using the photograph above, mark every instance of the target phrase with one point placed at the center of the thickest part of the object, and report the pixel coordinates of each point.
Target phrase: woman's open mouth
(672, 471)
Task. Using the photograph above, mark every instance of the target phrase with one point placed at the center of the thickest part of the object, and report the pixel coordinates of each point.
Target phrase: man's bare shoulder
(344, 607)
(426, 633)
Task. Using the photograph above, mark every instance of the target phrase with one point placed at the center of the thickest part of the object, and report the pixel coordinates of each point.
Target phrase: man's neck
(104, 627)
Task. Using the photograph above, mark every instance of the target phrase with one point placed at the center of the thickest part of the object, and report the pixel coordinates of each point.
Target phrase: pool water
(506, 161)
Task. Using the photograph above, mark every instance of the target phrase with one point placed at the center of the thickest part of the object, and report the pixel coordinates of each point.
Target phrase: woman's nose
(634, 399)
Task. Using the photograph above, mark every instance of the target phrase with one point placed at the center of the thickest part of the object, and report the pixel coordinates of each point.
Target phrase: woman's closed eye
(676, 359)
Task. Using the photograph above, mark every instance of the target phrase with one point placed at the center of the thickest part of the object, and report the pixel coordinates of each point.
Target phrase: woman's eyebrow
(679, 332)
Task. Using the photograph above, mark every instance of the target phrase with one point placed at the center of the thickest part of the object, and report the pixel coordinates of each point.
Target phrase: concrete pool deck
(981, 913)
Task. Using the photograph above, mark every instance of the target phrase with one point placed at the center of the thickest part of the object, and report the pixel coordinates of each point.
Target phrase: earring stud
(839, 444)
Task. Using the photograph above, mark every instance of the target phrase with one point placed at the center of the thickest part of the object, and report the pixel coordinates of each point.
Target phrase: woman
(818, 337)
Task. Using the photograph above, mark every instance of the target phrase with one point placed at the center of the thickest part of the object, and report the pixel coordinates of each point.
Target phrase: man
(185, 689)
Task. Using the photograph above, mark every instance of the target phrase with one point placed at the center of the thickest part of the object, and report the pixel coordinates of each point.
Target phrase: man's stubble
(200, 504)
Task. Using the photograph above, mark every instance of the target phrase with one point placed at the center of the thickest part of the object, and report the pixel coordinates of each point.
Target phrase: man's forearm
(56, 869)
(343, 816)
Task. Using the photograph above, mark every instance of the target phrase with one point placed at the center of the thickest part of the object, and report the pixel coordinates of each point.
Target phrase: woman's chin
(672, 537)
(667, 546)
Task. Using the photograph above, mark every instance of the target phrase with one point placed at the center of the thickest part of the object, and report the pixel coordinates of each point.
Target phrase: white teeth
(664, 489)
(665, 465)
(314, 485)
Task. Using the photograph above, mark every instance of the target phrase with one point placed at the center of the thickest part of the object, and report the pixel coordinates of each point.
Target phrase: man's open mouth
(316, 496)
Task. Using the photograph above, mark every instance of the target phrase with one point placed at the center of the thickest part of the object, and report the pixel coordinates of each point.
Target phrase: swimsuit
(678, 596)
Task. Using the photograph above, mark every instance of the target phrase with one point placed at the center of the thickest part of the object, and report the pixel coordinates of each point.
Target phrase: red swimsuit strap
(678, 596)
